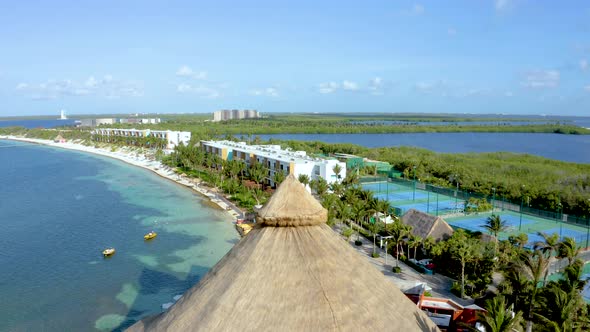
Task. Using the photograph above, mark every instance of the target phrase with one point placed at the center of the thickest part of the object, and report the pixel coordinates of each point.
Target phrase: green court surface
(524, 223)
(451, 209)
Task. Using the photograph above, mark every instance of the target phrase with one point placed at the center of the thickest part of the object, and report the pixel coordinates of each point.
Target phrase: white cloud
(584, 64)
(200, 90)
(376, 86)
(328, 87)
(542, 79)
(269, 92)
(108, 87)
(186, 71)
(348, 85)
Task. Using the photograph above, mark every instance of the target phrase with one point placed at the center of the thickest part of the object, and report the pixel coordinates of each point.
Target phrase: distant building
(274, 159)
(173, 138)
(105, 121)
(225, 115)
(447, 314)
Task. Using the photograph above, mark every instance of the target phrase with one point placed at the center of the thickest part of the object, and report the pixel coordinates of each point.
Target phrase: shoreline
(139, 160)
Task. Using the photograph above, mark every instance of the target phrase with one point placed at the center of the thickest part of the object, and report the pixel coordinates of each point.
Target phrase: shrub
(358, 243)
(396, 269)
(427, 293)
(456, 288)
(375, 255)
(347, 233)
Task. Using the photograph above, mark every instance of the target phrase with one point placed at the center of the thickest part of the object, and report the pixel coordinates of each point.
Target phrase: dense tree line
(534, 181)
(280, 125)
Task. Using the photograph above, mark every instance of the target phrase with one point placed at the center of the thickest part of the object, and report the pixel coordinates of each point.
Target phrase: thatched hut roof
(424, 225)
(292, 205)
(291, 278)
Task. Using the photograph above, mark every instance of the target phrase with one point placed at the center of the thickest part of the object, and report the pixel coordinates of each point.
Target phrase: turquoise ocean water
(59, 209)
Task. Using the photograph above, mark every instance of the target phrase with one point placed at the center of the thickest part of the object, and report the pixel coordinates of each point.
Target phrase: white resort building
(173, 138)
(275, 159)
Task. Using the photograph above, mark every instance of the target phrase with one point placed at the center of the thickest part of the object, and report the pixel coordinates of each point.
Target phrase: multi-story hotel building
(224, 115)
(173, 138)
(275, 159)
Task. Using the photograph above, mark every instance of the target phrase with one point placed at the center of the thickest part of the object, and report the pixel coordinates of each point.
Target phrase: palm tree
(373, 224)
(344, 211)
(464, 251)
(494, 224)
(337, 188)
(304, 179)
(321, 187)
(329, 203)
(337, 169)
(499, 318)
(257, 194)
(257, 173)
(568, 248)
(398, 232)
(428, 243)
(351, 178)
(549, 244)
(561, 310)
(415, 242)
(359, 212)
(519, 240)
(278, 178)
(534, 267)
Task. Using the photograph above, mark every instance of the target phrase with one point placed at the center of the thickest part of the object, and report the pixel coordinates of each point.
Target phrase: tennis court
(530, 225)
(434, 207)
(394, 196)
(406, 197)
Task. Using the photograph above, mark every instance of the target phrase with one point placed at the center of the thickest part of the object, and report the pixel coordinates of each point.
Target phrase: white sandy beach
(139, 160)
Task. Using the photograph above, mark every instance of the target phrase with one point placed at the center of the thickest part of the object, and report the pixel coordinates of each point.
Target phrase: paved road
(440, 284)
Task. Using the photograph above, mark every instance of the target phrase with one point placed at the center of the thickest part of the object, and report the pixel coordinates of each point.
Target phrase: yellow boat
(150, 235)
(108, 252)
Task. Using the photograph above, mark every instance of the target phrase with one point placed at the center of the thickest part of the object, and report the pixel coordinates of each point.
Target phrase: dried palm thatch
(425, 225)
(299, 278)
(292, 205)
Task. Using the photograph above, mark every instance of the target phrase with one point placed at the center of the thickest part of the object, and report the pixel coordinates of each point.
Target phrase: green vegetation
(537, 304)
(324, 124)
(147, 142)
(535, 182)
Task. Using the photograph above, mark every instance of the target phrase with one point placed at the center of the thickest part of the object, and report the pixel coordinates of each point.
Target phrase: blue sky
(472, 56)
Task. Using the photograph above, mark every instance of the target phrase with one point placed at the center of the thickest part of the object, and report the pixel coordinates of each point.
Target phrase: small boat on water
(108, 252)
(150, 235)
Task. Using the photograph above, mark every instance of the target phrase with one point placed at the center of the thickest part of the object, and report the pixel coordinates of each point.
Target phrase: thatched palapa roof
(292, 205)
(424, 225)
(291, 273)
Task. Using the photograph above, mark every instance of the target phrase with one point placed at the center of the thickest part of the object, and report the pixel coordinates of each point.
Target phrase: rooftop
(269, 151)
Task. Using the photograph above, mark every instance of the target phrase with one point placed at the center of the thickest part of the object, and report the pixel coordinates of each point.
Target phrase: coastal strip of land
(137, 159)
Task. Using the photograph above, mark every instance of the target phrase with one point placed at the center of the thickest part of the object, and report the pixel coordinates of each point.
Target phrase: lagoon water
(572, 148)
(59, 209)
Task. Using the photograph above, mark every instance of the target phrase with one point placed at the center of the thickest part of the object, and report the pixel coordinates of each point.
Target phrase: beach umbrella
(292, 272)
